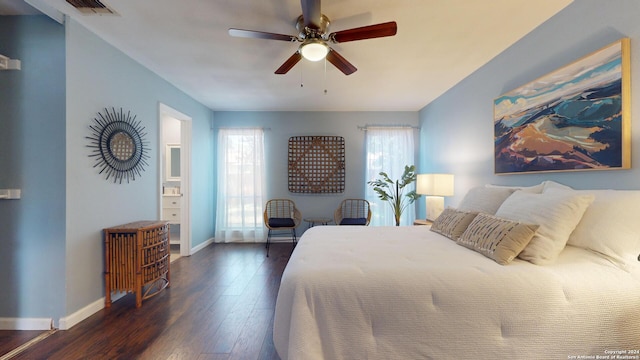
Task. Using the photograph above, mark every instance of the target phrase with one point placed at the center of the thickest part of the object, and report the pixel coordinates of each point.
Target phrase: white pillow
(611, 226)
(556, 211)
(484, 199)
(536, 189)
(548, 184)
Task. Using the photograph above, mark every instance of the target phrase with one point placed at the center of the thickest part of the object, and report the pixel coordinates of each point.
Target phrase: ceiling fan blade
(260, 35)
(365, 32)
(311, 13)
(291, 62)
(340, 62)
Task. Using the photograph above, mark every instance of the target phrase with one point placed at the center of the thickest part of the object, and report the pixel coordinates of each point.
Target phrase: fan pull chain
(301, 82)
(325, 75)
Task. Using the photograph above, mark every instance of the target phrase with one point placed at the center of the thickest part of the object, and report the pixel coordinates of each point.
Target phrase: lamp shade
(314, 50)
(435, 184)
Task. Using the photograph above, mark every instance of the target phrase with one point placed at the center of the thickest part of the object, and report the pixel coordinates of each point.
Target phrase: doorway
(174, 154)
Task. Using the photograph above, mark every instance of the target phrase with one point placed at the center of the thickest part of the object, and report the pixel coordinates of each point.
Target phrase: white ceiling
(16, 7)
(439, 42)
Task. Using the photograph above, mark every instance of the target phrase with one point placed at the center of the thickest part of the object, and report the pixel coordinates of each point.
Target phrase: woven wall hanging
(316, 164)
(119, 146)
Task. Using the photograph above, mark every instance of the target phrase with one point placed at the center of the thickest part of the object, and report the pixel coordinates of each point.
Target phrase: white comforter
(353, 292)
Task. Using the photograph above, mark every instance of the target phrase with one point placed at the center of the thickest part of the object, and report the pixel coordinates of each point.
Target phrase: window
(388, 150)
(241, 185)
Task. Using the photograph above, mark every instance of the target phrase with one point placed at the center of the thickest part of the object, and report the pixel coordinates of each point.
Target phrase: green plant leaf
(392, 191)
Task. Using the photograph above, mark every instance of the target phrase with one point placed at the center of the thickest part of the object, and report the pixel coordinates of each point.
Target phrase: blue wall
(457, 128)
(282, 125)
(100, 76)
(32, 158)
(51, 263)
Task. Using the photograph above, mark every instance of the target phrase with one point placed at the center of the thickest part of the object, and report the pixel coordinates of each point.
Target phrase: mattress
(353, 292)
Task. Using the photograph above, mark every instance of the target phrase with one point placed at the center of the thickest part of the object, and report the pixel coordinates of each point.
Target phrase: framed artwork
(316, 164)
(574, 119)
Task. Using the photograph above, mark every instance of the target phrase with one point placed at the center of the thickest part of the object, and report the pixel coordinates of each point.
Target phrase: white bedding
(353, 292)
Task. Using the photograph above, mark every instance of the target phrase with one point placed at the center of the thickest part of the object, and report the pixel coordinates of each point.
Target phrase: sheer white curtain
(241, 185)
(388, 150)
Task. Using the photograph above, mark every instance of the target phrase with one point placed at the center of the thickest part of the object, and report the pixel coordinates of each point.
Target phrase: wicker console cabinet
(137, 259)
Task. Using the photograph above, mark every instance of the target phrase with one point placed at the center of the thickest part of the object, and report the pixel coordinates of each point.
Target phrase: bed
(415, 293)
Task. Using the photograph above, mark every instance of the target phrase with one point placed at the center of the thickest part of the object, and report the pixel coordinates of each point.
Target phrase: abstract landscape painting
(575, 118)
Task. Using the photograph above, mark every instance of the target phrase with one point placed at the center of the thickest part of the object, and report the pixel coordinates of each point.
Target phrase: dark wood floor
(220, 306)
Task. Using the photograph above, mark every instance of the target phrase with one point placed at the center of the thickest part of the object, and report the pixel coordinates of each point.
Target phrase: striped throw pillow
(497, 238)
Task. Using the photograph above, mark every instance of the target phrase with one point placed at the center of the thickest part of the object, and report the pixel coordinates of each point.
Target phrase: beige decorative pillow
(496, 238)
(452, 223)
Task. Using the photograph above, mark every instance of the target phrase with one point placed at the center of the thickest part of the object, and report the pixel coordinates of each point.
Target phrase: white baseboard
(26, 323)
(68, 321)
(202, 246)
(71, 320)
(65, 323)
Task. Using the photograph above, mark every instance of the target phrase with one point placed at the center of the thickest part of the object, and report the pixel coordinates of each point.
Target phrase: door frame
(185, 172)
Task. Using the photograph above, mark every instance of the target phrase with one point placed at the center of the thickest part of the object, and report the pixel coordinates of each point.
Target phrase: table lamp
(435, 187)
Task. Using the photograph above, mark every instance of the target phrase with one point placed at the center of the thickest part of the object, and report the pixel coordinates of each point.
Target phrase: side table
(137, 259)
(313, 221)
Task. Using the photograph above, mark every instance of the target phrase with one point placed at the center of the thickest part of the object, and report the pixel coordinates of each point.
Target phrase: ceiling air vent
(91, 7)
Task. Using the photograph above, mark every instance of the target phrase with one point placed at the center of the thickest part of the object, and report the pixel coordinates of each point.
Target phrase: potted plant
(392, 191)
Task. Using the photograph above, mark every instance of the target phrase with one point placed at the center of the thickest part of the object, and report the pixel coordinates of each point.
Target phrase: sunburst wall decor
(119, 146)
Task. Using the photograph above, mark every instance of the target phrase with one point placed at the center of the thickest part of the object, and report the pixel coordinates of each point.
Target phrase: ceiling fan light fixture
(314, 50)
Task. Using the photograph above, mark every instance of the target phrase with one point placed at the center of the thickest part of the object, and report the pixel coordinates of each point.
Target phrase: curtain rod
(399, 126)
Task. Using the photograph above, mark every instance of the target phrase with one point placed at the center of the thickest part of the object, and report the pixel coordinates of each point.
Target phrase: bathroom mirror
(173, 162)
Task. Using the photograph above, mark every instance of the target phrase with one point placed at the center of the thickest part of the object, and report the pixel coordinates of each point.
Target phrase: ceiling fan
(313, 28)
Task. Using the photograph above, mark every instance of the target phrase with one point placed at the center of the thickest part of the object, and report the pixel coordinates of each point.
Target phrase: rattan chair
(353, 212)
(281, 215)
